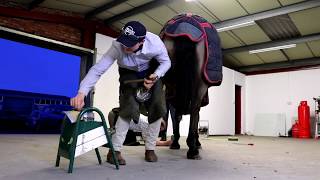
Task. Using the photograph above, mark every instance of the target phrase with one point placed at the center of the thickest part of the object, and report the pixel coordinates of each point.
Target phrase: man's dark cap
(132, 33)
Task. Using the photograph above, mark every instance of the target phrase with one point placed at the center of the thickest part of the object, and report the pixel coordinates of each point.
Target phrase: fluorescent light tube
(236, 26)
(272, 48)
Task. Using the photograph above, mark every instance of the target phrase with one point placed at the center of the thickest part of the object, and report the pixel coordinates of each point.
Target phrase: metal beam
(280, 65)
(34, 4)
(137, 10)
(104, 7)
(269, 13)
(312, 37)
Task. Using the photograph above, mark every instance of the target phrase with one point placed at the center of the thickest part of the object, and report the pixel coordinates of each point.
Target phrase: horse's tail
(185, 71)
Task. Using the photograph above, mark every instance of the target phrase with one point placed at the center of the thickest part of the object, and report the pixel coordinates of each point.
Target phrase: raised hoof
(175, 146)
(163, 138)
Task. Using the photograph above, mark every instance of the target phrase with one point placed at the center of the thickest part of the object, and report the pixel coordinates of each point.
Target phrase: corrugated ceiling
(293, 25)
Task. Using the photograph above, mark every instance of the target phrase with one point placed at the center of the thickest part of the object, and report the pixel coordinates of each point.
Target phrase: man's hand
(148, 82)
(78, 101)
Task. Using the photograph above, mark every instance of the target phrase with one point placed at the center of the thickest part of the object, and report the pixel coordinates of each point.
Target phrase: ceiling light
(236, 26)
(272, 48)
(189, 0)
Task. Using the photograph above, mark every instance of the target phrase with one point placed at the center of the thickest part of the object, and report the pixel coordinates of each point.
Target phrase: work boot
(150, 156)
(119, 157)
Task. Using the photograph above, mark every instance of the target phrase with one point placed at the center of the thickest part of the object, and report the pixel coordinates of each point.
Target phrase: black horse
(196, 64)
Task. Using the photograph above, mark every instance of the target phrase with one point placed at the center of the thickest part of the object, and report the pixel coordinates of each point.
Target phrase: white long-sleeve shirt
(153, 47)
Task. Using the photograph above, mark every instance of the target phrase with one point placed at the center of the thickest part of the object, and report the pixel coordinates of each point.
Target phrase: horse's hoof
(194, 157)
(175, 146)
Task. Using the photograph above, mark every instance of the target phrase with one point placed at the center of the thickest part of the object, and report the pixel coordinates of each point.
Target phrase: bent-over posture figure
(133, 50)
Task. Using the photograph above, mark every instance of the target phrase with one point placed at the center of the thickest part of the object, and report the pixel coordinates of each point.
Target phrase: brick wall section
(54, 31)
(60, 32)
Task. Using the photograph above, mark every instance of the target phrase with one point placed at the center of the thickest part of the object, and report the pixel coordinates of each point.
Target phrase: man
(134, 49)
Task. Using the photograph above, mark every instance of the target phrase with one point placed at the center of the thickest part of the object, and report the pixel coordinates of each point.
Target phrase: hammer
(133, 81)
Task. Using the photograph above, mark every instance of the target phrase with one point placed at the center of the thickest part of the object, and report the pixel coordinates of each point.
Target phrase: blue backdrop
(34, 69)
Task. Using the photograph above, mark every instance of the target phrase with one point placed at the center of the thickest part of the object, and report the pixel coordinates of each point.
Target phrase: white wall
(107, 89)
(273, 100)
(220, 112)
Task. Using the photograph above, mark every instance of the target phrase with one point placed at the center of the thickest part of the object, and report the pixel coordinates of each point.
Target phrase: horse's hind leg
(193, 136)
(199, 89)
(176, 118)
(193, 152)
(198, 144)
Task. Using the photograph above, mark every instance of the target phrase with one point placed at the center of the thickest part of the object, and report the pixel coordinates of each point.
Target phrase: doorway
(237, 109)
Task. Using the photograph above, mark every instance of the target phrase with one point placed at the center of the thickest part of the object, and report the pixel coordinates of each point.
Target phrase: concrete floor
(33, 157)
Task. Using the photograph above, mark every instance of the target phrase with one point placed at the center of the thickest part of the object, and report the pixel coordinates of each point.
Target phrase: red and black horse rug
(197, 29)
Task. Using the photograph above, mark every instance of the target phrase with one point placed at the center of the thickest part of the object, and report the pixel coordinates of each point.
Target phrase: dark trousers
(130, 108)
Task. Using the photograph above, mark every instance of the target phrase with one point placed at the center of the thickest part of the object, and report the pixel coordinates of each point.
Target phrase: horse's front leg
(176, 118)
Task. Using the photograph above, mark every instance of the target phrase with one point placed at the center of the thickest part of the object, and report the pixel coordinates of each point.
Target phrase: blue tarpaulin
(34, 69)
(35, 86)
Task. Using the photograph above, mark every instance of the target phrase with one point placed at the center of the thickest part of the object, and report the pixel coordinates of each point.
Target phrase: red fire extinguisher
(304, 120)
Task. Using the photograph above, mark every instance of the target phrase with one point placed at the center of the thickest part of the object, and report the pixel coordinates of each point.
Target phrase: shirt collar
(145, 45)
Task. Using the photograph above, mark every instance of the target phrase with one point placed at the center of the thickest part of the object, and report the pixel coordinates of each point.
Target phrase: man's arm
(163, 59)
(95, 73)
(93, 76)
(164, 66)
